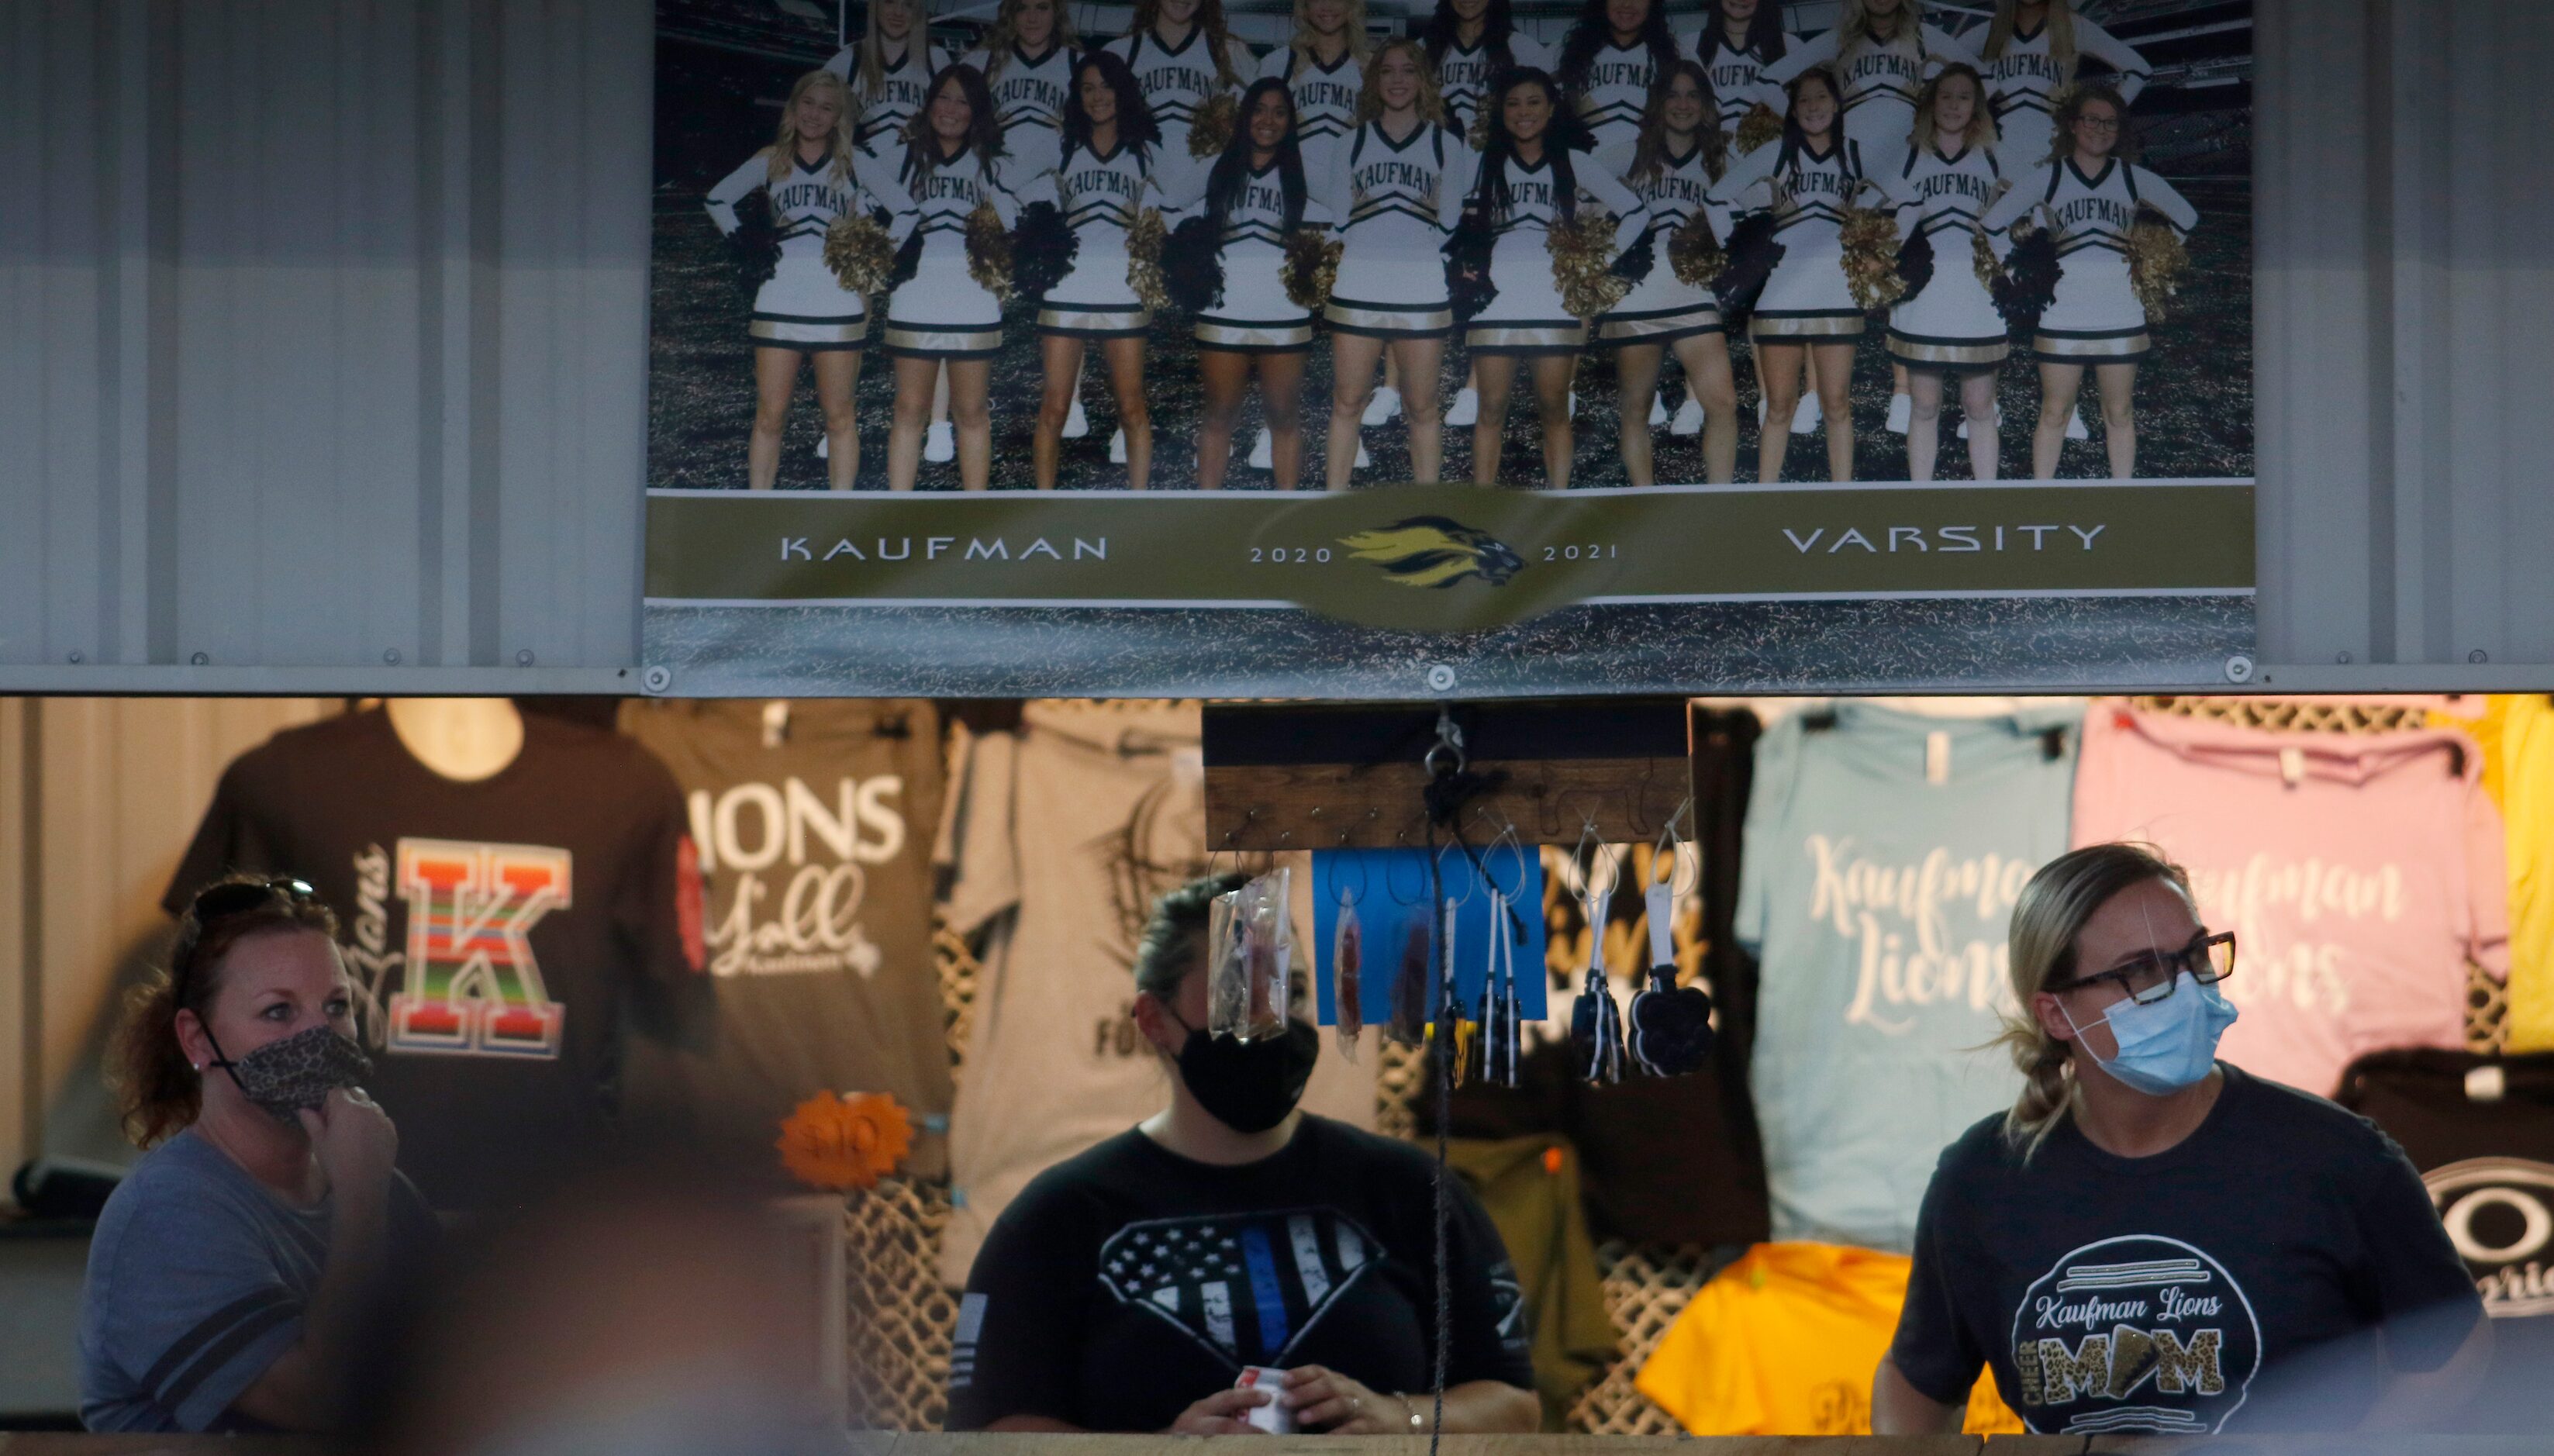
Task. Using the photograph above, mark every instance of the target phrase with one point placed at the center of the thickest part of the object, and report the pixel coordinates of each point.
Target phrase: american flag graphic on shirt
(1248, 1286)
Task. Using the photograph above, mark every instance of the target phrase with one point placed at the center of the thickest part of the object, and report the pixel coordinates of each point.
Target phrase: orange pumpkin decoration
(846, 1140)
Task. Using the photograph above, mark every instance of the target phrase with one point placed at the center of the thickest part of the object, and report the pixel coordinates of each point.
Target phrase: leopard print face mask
(297, 1073)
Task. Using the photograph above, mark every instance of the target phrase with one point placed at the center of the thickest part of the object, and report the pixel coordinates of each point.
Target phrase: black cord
(1442, 1046)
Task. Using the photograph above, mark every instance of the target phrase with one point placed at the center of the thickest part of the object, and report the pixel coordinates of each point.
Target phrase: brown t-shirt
(502, 933)
(815, 820)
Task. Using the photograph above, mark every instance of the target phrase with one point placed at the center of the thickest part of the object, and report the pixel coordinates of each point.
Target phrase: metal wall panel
(324, 353)
(2405, 330)
(325, 340)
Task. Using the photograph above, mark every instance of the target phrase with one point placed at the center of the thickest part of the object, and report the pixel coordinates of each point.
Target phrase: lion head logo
(1435, 551)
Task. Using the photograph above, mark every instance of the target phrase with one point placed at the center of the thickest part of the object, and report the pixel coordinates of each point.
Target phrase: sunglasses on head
(235, 897)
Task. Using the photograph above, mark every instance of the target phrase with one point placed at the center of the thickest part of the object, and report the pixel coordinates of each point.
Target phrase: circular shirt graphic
(2499, 1213)
(2136, 1333)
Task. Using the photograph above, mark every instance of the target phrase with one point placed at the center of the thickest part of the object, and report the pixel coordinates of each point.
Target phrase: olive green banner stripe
(1443, 557)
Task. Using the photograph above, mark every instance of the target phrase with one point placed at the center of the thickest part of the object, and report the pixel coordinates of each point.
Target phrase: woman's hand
(1221, 1414)
(356, 1144)
(1325, 1400)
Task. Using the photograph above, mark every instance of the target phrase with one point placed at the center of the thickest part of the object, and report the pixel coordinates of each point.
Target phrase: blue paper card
(1389, 892)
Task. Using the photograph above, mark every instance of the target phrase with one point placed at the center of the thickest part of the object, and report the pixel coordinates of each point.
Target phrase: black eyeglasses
(2151, 978)
(234, 897)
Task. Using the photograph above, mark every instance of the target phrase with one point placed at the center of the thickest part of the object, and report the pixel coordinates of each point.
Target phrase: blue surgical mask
(2167, 1045)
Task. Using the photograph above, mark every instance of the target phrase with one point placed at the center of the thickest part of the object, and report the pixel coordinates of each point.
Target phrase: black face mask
(1249, 1086)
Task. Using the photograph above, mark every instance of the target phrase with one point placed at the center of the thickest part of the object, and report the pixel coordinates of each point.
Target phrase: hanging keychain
(1501, 1018)
(1596, 1023)
(1408, 1025)
(1272, 948)
(1227, 985)
(1347, 951)
(1671, 1031)
(1451, 1021)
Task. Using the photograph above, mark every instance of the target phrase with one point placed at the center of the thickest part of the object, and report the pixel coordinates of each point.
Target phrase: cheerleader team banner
(1452, 558)
(1237, 347)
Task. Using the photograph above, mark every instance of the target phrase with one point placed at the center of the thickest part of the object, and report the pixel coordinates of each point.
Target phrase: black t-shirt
(2236, 1280)
(1124, 1284)
(2480, 1130)
(499, 932)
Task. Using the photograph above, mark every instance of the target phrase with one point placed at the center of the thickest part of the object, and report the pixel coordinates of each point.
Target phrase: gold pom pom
(1759, 126)
(1144, 239)
(1581, 260)
(1312, 266)
(1695, 254)
(2157, 262)
(1213, 127)
(1869, 236)
(1982, 259)
(988, 252)
(858, 253)
(845, 1142)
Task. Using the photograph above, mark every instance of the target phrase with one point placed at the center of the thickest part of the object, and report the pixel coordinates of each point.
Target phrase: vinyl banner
(1239, 347)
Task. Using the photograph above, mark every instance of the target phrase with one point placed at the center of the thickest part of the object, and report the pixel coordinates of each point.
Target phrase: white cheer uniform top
(1662, 306)
(1617, 91)
(1527, 316)
(1100, 195)
(1738, 79)
(2023, 83)
(1177, 79)
(1394, 203)
(1325, 101)
(942, 311)
(1880, 82)
(1255, 313)
(801, 305)
(1945, 196)
(1463, 75)
(1029, 95)
(904, 81)
(1807, 192)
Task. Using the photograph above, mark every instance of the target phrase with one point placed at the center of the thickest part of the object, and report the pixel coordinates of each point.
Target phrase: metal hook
(1357, 858)
(1516, 845)
(1667, 843)
(1470, 883)
(1449, 747)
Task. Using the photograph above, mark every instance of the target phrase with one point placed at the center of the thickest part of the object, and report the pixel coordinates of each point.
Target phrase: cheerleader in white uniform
(1881, 51)
(1324, 69)
(1946, 185)
(1113, 167)
(2089, 196)
(942, 318)
(1472, 43)
(1614, 52)
(1806, 179)
(1027, 60)
(889, 68)
(1257, 197)
(1393, 186)
(1183, 56)
(1676, 170)
(1739, 39)
(2031, 51)
(802, 313)
(1531, 176)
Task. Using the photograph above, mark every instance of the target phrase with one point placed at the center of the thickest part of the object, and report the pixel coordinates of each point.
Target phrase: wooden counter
(875, 1444)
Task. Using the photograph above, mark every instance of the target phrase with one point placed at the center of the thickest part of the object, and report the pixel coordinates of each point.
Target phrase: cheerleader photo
(1342, 245)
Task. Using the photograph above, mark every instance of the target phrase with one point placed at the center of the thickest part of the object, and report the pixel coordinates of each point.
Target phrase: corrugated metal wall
(2404, 320)
(325, 342)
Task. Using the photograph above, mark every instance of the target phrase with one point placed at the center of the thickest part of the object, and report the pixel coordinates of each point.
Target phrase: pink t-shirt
(2359, 871)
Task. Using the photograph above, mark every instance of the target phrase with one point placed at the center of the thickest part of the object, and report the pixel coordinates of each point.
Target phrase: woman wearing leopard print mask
(245, 1261)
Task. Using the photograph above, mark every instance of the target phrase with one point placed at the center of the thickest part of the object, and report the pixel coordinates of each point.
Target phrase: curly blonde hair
(1432, 104)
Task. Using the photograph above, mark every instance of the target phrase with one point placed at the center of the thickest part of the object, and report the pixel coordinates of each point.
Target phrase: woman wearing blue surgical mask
(1131, 1288)
(2153, 1240)
(242, 1271)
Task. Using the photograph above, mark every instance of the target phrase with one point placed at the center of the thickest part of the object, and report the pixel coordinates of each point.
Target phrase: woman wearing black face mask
(242, 1266)
(1128, 1287)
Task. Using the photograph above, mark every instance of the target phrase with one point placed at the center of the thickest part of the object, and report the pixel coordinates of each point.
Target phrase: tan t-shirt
(1061, 835)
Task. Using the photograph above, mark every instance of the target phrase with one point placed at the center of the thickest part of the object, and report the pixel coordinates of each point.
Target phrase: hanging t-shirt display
(2480, 1130)
(2357, 871)
(814, 821)
(2517, 732)
(499, 931)
(1059, 838)
(1785, 1341)
(1883, 854)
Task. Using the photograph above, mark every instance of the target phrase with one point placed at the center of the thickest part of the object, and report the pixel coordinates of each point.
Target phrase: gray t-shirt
(198, 1279)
